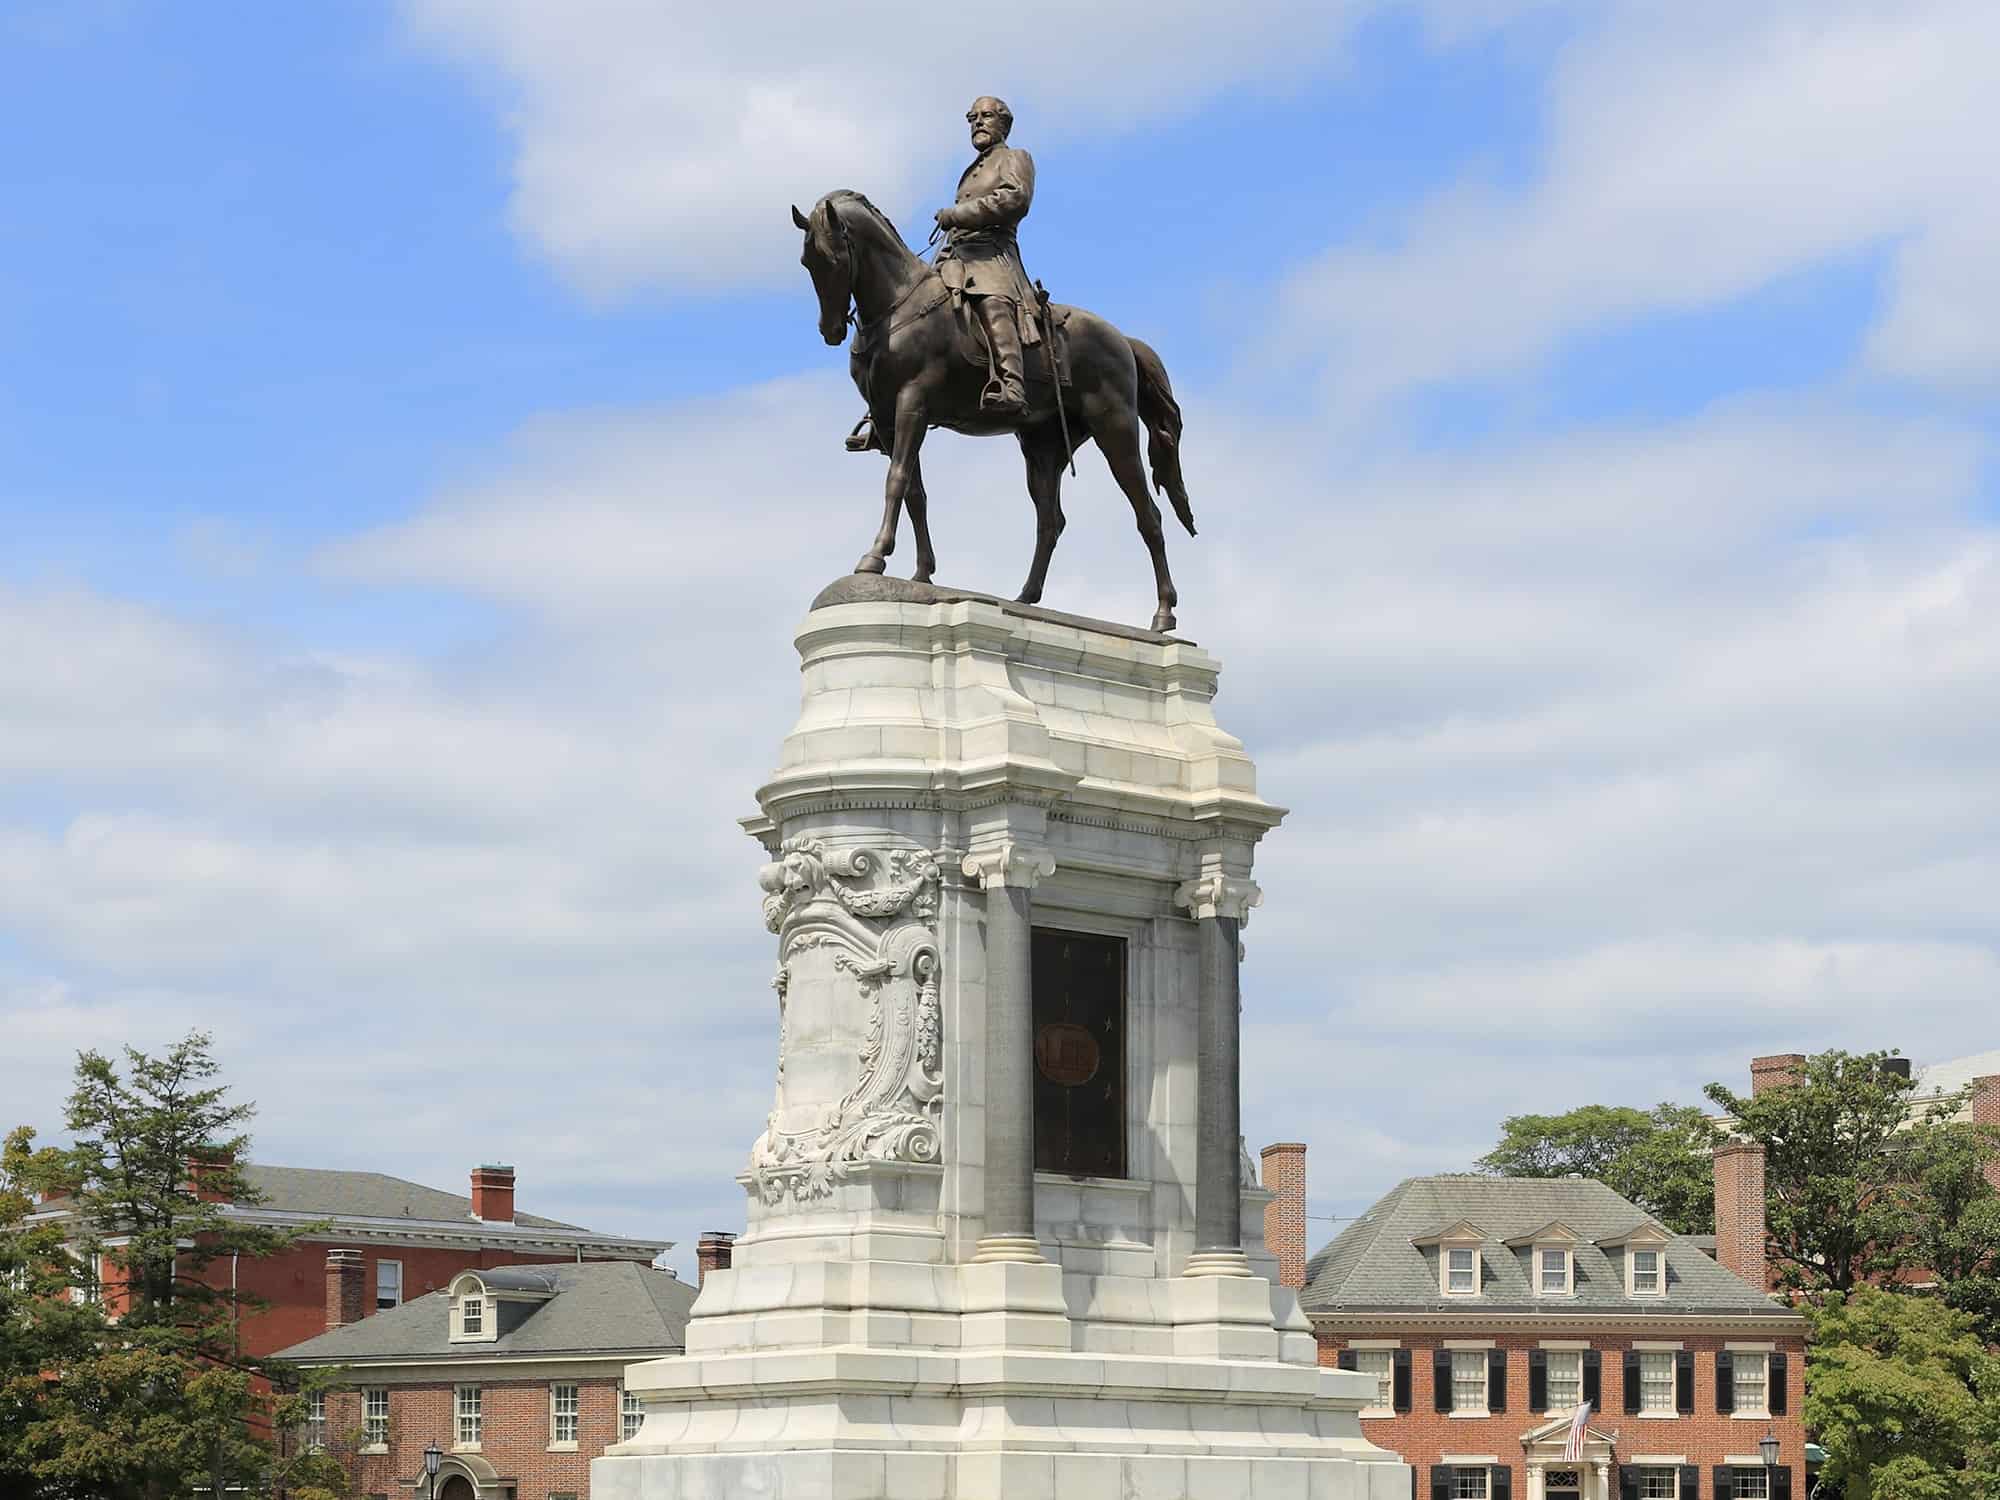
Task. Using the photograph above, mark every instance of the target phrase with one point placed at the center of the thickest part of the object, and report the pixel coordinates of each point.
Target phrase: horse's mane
(843, 196)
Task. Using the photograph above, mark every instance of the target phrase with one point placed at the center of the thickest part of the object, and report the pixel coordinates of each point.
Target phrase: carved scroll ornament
(874, 913)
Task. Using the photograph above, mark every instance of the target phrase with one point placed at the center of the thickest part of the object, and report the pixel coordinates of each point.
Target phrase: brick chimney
(1739, 1211)
(344, 1288)
(712, 1252)
(203, 1166)
(1778, 1072)
(493, 1194)
(1284, 1167)
(1985, 1109)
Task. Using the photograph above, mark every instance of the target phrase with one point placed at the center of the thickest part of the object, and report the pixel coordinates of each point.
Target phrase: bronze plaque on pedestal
(1079, 1040)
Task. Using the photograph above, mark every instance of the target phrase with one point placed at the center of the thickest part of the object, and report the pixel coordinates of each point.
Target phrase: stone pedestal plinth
(997, 1243)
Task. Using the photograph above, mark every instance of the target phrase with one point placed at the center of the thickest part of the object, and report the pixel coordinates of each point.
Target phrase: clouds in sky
(1618, 751)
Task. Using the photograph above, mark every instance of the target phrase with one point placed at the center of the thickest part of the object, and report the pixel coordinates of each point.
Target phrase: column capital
(1009, 864)
(1219, 895)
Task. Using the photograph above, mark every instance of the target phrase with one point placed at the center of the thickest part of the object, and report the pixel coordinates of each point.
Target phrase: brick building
(1489, 1308)
(409, 1239)
(515, 1371)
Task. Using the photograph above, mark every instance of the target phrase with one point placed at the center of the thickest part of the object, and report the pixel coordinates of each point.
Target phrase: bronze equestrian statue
(918, 362)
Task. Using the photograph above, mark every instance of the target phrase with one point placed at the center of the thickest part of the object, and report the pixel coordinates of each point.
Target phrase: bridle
(880, 327)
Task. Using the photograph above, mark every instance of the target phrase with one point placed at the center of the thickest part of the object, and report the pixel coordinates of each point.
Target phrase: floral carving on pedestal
(874, 912)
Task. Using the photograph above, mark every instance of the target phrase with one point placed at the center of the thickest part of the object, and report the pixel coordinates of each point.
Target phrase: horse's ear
(801, 220)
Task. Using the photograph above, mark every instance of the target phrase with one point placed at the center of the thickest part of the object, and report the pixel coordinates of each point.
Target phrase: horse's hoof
(1026, 597)
(922, 575)
(871, 564)
(1164, 621)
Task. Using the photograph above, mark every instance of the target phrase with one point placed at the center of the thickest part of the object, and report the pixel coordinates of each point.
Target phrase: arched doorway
(458, 1487)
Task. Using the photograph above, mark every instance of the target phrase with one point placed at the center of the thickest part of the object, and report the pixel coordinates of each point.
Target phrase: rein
(869, 333)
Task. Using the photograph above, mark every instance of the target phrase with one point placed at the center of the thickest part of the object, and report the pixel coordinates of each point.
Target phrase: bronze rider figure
(981, 258)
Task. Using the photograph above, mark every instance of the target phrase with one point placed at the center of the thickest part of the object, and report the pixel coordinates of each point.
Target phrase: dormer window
(475, 1316)
(1552, 1277)
(472, 1316)
(1461, 1274)
(1646, 1274)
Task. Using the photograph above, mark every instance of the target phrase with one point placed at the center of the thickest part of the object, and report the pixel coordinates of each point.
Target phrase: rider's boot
(1005, 394)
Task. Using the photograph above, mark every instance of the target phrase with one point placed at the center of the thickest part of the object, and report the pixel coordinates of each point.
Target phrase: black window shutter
(1501, 1486)
(1593, 1378)
(1775, 1385)
(1538, 1380)
(1781, 1482)
(1690, 1482)
(1496, 1379)
(1632, 1385)
(1725, 1482)
(1684, 1382)
(1725, 1381)
(1345, 1359)
(1441, 1380)
(1628, 1482)
(1413, 1482)
(1440, 1482)
(1400, 1383)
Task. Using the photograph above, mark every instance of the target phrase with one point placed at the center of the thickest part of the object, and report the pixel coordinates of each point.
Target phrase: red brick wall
(1986, 1111)
(1284, 1165)
(1779, 1071)
(514, 1435)
(1423, 1435)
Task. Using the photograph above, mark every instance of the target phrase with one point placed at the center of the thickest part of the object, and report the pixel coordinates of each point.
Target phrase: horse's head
(829, 259)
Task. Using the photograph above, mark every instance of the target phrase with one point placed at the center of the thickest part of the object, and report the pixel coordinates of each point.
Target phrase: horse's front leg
(918, 500)
(908, 438)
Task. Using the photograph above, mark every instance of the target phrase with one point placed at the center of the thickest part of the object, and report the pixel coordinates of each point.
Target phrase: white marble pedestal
(913, 1311)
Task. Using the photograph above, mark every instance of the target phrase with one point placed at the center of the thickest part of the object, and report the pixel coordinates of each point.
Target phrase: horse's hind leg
(1116, 425)
(1043, 452)
(918, 500)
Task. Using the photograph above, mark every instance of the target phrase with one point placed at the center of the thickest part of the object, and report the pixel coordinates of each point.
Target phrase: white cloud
(1696, 153)
(658, 145)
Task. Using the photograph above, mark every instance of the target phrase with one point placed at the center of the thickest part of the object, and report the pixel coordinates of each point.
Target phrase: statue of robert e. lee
(981, 258)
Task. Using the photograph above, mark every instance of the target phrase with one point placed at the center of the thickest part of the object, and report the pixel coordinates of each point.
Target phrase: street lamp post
(433, 1456)
(1767, 1448)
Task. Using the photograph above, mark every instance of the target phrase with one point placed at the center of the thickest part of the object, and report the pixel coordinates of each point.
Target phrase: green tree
(1901, 1394)
(147, 1396)
(1954, 1215)
(1659, 1158)
(1837, 1147)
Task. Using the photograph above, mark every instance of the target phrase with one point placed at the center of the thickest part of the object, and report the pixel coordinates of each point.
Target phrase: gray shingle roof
(599, 1307)
(367, 1195)
(1372, 1266)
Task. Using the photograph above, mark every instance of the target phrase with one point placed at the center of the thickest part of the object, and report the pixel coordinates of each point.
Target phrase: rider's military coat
(981, 257)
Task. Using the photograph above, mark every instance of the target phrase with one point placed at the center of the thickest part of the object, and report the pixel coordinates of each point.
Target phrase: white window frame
(316, 1421)
(1658, 1482)
(1542, 1287)
(1739, 1361)
(631, 1415)
(1471, 1482)
(1741, 1476)
(1573, 1357)
(1446, 1270)
(397, 1299)
(1652, 1360)
(480, 1306)
(1659, 1286)
(468, 1414)
(1469, 1358)
(574, 1412)
(1365, 1361)
(375, 1423)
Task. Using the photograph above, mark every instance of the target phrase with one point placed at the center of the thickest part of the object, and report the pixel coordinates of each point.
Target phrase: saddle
(1044, 331)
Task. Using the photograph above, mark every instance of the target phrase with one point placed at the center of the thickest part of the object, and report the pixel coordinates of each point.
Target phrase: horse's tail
(1162, 415)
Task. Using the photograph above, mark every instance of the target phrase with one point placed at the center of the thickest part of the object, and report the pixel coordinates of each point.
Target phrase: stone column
(1603, 1469)
(1537, 1479)
(1008, 873)
(1220, 904)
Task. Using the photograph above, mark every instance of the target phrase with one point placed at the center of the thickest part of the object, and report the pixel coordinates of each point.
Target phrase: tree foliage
(1836, 1148)
(1659, 1158)
(130, 1384)
(1903, 1396)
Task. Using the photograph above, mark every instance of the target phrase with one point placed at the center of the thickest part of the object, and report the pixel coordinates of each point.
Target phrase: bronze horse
(909, 363)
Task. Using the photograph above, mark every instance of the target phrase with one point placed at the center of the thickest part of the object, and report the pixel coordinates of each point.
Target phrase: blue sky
(415, 450)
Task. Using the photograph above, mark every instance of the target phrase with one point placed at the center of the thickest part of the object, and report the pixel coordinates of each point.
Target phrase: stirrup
(858, 440)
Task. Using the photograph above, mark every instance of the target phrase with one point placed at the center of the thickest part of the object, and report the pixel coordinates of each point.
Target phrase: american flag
(1578, 1425)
